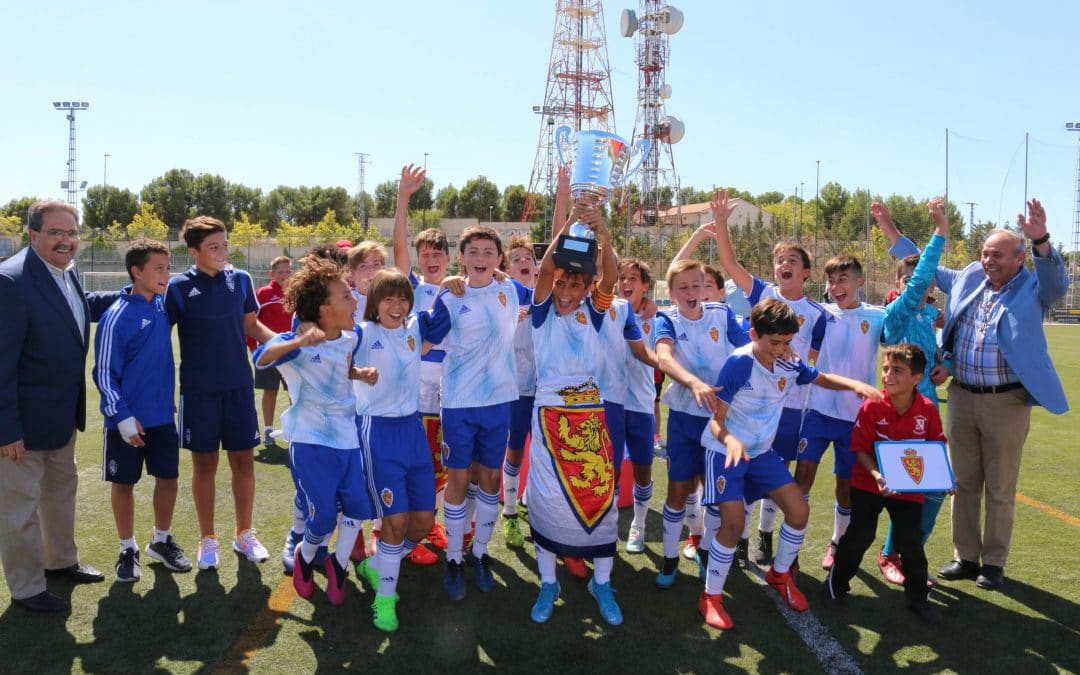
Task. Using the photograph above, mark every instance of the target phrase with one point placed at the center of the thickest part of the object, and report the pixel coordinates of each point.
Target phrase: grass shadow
(41, 642)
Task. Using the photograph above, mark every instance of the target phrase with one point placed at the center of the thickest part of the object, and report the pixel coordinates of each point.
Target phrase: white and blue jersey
(618, 327)
(851, 351)
(812, 322)
(477, 332)
(424, 295)
(323, 409)
(134, 368)
(756, 397)
(567, 347)
(396, 355)
(525, 357)
(209, 312)
(640, 378)
(701, 347)
(361, 305)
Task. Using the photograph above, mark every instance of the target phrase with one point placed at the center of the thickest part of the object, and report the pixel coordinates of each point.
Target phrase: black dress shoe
(959, 569)
(77, 573)
(991, 578)
(44, 602)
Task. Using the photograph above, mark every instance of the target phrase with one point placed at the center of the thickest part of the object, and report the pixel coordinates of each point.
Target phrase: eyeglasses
(62, 234)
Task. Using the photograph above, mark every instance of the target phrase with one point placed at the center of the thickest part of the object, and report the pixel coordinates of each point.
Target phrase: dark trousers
(907, 540)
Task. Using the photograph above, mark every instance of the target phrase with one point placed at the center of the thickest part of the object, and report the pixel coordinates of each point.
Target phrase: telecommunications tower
(651, 26)
(71, 184)
(1074, 280)
(578, 92)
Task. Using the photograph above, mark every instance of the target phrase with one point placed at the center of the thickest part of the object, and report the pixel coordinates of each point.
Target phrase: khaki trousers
(37, 517)
(986, 434)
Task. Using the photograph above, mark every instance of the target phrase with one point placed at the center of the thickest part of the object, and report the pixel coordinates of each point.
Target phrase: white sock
(470, 505)
(693, 513)
(487, 510)
(720, 558)
(128, 543)
(769, 512)
(348, 531)
(299, 515)
(841, 520)
(161, 536)
(310, 546)
(266, 429)
(454, 519)
(545, 560)
(602, 569)
(790, 542)
(673, 521)
(642, 497)
(377, 524)
(511, 477)
(746, 521)
(712, 524)
(389, 566)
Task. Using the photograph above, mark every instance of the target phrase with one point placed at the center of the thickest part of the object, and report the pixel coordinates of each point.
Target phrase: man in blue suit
(1000, 368)
(43, 348)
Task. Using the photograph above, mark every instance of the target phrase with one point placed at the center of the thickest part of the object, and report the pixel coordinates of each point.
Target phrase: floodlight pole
(1074, 293)
(72, 184)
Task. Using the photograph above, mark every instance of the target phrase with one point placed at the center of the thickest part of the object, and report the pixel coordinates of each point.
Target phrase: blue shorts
(223, 419)
(520, 422)
(749, 480)
(640, 428)
(478, 434)
(817, 432)
(123, 463)
(615, 419)
(786, 441)
(400, 474)
(686, 455)
(331, 478)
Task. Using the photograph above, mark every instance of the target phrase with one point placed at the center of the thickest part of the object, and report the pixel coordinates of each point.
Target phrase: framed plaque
(915, 466)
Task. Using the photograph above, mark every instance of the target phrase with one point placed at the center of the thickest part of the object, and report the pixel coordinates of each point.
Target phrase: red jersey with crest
(879, 421)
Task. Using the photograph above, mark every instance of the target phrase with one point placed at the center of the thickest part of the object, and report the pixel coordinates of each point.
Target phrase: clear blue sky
(269, 93)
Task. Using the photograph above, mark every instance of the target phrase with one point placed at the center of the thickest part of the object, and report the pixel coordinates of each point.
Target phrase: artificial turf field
(247, 617)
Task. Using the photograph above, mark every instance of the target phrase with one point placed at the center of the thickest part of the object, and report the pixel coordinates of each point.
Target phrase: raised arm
(705, 231)
(546, 275)
(885, 222)
(412, 179)
(722, 208)
(1049, 265)
(562, 202)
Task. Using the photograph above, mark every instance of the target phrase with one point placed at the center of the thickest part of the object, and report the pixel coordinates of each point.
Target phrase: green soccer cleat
(512, 532)
(366, 571)
(385, 607)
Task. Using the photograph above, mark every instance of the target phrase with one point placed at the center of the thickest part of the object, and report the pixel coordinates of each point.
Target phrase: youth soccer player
(134, 373)
(740, 460)
(324, 450)
(478, 384)
(365, 259)
(214, 307)
(272, 315)
(903, 415)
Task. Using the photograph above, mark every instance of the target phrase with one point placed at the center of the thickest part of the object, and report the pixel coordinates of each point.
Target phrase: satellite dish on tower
(671, 19)
(665, 91)
(628, 23)
(670, 129)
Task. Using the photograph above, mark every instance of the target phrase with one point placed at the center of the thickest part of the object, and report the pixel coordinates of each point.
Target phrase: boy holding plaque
(903, 415)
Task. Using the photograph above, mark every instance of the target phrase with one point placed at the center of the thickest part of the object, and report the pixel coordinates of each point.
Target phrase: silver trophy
(598, 166)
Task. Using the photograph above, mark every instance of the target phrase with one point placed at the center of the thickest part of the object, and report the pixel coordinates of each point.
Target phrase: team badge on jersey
(714, 334)
(913, 464)
(920, 424)
(802, 320)
(387, 496)
(412, 343)
(781, 384)
(802, 445)
(646, 328)
(580, 317)
(611, 312)
(721, 483)
(865, 326)
(502, 298)
(230, 282)
(433, 432)
(581, 454)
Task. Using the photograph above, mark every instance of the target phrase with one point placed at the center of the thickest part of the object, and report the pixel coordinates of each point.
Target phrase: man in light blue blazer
(1000, 367)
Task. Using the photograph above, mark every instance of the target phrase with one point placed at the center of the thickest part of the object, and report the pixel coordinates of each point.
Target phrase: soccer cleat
(385, 607)
(485, 581)
(763, 552)
(288, 552)
(830, 556)
(128, 569)
(358, 550)
(268, 439)
(605, 598)
(891, 568)
(335, 580)
(545, 602)
(454, 581)
(248, 545)
(785, 585)
(659, 447)
(365, 569)
(665, 578)
(169, 554)
(208, 553)
(712, 608)
(576, 567)
(422, 555)
(512, 532)
(437, 537)
(635, 543)
(303, 577)
(321, 554)
(690, 547)
(742, 554)
(523, 510)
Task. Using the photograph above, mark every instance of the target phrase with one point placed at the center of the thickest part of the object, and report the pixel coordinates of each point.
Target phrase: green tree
(422, 198)
(10, 225)
(172, 196)
(479, 199)
(244, 199)
(423, 219)
(245, 233)
(513, 202)
(211, 195)
(771, 197)
(291, 236)
(328, 229)
(106, 204)
(386, 199)
(446, 200)
(18, 207)
(146, 223)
